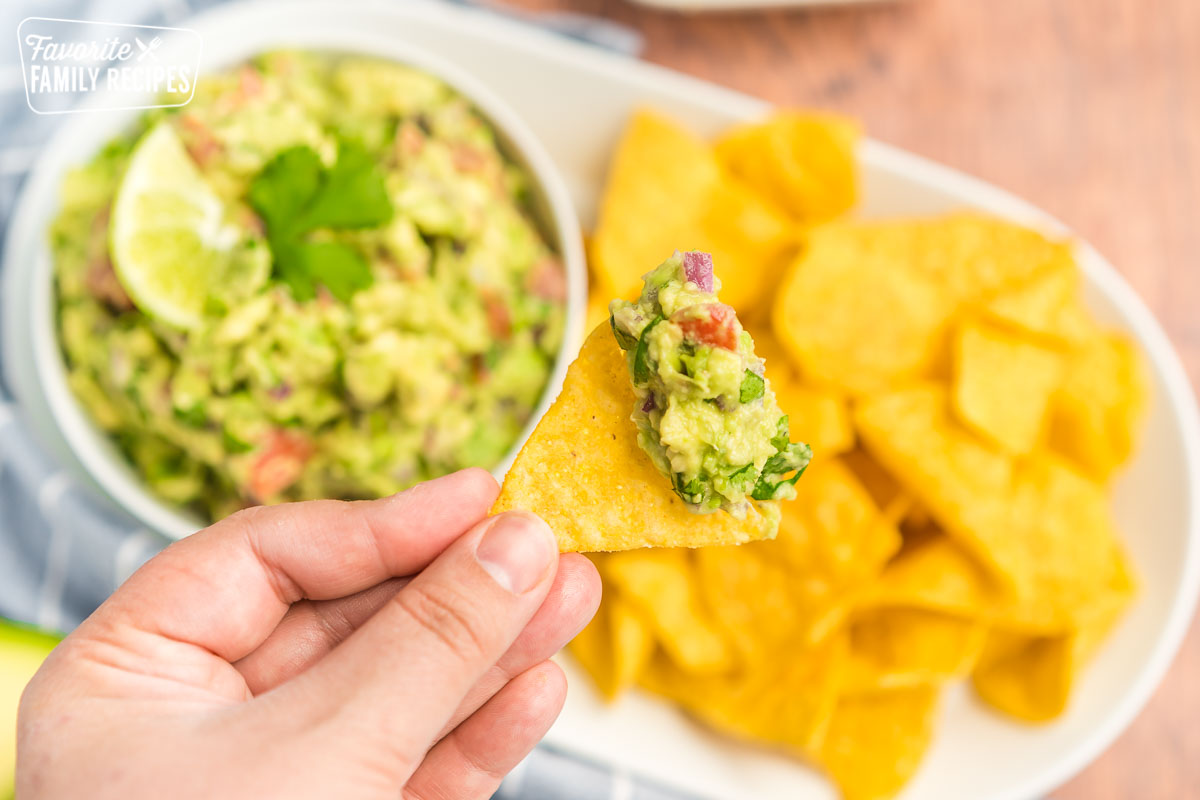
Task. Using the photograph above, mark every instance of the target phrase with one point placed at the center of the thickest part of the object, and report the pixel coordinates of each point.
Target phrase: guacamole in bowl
(321, 278)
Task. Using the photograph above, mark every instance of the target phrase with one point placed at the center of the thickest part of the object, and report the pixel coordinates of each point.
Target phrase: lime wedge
(171, 245)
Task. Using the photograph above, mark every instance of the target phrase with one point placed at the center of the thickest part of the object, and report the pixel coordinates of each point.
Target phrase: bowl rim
(96, 453)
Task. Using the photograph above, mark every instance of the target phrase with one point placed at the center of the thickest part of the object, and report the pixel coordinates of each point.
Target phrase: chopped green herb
(296, 194)
(753, 387)
(641, 356)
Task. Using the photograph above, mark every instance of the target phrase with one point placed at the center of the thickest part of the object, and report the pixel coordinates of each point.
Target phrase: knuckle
(449, 615)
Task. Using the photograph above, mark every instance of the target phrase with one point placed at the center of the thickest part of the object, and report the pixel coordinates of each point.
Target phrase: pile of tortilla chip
(967, 416)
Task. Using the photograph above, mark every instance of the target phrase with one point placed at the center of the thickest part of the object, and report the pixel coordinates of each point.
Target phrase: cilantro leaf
(353, 194)
(641, 356)
(338, 266)
(771, 483)
(296, 194)
(286, 185)
(753, 387)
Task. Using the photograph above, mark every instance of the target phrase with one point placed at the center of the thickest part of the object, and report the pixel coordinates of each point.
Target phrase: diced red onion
(698, 268)
(649, 405)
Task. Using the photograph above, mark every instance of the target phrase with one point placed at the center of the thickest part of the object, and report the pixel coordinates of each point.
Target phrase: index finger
(227, 587)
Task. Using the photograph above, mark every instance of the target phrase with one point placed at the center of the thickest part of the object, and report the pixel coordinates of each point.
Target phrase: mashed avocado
(406, 324)
(705, 413)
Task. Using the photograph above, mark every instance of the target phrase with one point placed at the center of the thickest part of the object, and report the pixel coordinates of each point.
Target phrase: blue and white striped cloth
(62, 551)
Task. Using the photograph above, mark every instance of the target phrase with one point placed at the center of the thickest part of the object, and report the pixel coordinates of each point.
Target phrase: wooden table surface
(1088, 108)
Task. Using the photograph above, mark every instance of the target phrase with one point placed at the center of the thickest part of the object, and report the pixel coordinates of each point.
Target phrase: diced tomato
(101, 280)
(199, 140)
(279, 464)
(498, 316)
(409, 140)
(714, 324)
(250, 82)
(547, 280)
(468, 158)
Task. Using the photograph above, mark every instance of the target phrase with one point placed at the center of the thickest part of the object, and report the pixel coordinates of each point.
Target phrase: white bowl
(83, 136)
(577, 99)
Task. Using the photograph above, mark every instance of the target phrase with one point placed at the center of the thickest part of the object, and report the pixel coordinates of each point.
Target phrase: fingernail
(516, 550)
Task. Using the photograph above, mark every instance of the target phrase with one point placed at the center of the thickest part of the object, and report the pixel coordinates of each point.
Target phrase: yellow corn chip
(750, 242)
(762, 606)
(1026, 677)
(583, 472)
(615, 646)
(660, 585)
(936, 575)
(803, 162)
(597, 311)
(1047, 306)
(786, 700)
(975, 255)
(1030, 676)
(856, 317)
(1002, 386)
(893, 647)
(963, 483)
(883, 488)
(666, 191)
(833, 529)
(1095, 414)
(656, 186)
(592, 648)
(817, 417)
(1062, 534)
(876, 740)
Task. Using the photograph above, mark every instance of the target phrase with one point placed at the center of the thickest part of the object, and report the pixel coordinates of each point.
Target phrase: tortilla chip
(856, 317)
(894, 647)
(1002, 386)
(597, 311)
(615, 646)
(1030, 677)
(1026, 677)
(1096, 413)
(666, 191)
(764, 607)
(963, 483)
(803, 162)
(750, 242)
(654, 194)
(876, 740)
(661, 585)
(974, 255)
(936, 575)
(833, 529)
(1041, 528)
(583, 472)
(1048, 306)
(786, 701)
(1062, 534)
(879, 483)
(591, 647)
(818, 417)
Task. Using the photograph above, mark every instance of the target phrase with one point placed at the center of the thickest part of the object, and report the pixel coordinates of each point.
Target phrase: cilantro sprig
(789, 456)
(295, 194)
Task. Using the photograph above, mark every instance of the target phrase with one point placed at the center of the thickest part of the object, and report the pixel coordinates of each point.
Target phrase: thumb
(402, 674)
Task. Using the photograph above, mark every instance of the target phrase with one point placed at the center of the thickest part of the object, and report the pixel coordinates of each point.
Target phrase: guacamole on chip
(705, 412)
(659, 427)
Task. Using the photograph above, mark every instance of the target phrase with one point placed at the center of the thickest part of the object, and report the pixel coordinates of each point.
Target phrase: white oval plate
(576, 99)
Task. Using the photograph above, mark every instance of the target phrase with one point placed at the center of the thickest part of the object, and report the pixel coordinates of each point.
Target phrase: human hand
(391, 648)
